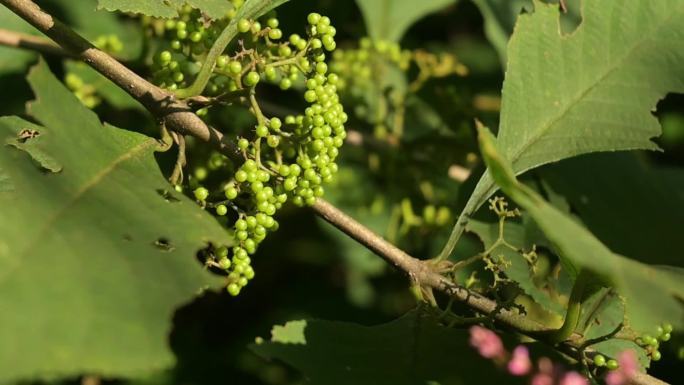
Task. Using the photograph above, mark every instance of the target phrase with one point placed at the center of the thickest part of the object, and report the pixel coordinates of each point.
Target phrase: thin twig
(30, 42)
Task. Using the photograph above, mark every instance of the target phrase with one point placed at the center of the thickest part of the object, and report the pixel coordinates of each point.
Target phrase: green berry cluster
(651, 343)
(109, 43)
(86, 93)
(282, 159)
(356, 65)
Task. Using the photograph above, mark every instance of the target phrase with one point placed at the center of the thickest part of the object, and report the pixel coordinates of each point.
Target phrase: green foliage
(653, 293)
(95, 256)
(589, 91)
(168, 8)
(12, 60)
(390, 19)
(603, 189)
(413, 349)
(522, 238)
(290, 333)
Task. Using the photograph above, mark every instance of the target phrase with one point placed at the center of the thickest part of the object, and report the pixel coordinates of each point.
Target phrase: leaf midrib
(544, 130)
(80, 193)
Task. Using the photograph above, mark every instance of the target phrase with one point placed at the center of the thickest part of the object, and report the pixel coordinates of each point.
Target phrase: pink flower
(574, 378)
(520, 363)
(629, 365)
(487, 343)
(542, 379)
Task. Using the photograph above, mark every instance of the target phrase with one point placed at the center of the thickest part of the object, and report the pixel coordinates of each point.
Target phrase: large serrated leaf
(390, 19)
(653, 294)
(411, 350)
(215, 9)
(93, 259)
(589, 91)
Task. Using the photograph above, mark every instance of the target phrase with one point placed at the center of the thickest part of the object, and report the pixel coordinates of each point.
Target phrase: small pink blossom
(487, 343)
(545, 365)
(574, 378)
(520, 363)
(629, 365)
(542, 379)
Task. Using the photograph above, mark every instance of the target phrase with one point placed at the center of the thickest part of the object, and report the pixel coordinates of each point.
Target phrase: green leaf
(33, 148)
(104, 88)
(390, 19)
(519, 271)
(603, 189)
(411, 350)
(215, 9)
(290, 333)
(653, 294)
(590, 91)
(6, 184)
(14, 60)
(94, 259)
(499, 20)
(92, 24)
(166, 8)
(500, 17)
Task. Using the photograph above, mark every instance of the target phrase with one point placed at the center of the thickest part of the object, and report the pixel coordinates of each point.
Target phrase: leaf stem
(252, 9)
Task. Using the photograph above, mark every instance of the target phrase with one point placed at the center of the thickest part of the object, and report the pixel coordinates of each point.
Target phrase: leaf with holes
(589, 91)
(413, 349)
(93, 259)
(390, 19)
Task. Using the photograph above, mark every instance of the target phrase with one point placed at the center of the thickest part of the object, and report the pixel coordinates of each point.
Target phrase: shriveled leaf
(390, 19)
(94, 259)
(411, 350)
(290, 333)
(589, 91)
(653, 294)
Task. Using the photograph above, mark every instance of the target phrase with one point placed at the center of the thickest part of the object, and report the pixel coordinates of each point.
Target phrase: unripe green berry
(235, 67)
(221, 210)
(224, 263)
(222, 61)
(233, 289)
(201, 193)
(243, 144)
(241, 225)
(612, 364)
(285, 84)
(261, 131)
(231, 193)
(665, 337)
(251, 79)
(165, 57)
(275, 34)
(244, 25)
(313, 18)
(655, 355)
(599, 360)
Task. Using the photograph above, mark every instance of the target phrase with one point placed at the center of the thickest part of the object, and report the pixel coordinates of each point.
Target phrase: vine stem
(252, 9)
(180, 118)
